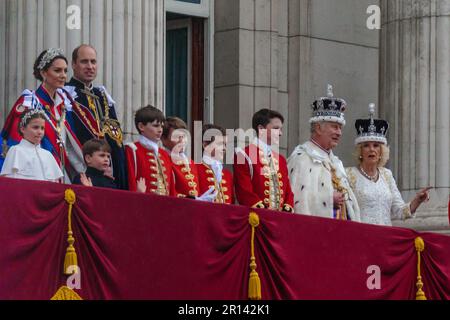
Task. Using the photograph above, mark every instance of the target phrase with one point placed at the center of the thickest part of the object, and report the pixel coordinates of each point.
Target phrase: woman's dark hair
(50, 55)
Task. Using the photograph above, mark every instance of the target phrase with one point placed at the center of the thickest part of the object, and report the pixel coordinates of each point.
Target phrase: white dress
(28, 161)
(378, 201)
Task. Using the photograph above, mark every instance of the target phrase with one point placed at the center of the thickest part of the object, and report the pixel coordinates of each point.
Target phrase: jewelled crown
(328, 108)
(49, 55)
(28, 115)
(371, 129)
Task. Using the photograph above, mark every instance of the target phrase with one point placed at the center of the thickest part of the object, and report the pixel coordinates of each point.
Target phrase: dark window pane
(177, 73)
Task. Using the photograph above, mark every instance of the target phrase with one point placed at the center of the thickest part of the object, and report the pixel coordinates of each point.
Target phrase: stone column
(329, 42)
(251, 49)
(129, 37)
(281, 54)
(415, 95)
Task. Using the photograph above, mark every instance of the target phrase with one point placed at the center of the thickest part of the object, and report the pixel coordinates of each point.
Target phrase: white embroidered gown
(28, 161)
(378, 201)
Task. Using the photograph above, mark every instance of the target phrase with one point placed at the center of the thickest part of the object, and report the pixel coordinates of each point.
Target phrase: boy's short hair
(94, 145)
(210, 139)
(173, 123)
(148, 114)
(263, 117)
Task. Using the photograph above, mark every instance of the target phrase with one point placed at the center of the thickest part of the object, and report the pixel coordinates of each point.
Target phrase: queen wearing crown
(374, 185)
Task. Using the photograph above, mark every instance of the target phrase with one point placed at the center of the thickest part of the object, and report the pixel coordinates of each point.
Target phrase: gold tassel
(71, 256)
(65, 293)
(420, 247)
(254, 284)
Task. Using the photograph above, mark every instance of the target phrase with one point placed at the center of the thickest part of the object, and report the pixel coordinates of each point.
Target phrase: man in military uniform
(318, 178)
(94, 114)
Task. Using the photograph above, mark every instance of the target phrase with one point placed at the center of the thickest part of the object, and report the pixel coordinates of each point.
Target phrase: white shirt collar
(210, 161)
(27, 144)
(264, 146)
(149, 144)
(323, 152)
(215, 165)
(88, 87)
(316, 153)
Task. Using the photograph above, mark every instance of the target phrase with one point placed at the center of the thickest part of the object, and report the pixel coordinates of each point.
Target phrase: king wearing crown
(318, 178)
(374, 185)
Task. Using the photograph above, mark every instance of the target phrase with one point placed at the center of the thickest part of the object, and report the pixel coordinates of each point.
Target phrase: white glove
(208, 196)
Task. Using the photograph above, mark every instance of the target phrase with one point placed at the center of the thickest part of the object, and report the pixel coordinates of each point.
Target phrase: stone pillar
(329, 42)
(281, 54)
(129, 37)
(251, 49)
(414, 95)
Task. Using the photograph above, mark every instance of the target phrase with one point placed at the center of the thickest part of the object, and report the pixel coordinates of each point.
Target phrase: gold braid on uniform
(111, 127)
(336, 181)
(288, 208)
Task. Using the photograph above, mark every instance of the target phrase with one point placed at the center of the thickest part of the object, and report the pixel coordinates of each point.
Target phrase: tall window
(178, 69)
(188, 60)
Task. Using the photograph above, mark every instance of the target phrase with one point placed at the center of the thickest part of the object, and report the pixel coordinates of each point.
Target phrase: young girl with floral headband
(27, 160)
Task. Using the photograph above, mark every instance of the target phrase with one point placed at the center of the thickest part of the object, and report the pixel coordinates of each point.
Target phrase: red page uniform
(185, 177)
(152, 164)
(261, 179)
(222, 182)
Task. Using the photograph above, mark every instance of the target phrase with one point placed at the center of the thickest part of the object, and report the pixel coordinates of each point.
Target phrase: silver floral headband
(29, 114)
(51, 54)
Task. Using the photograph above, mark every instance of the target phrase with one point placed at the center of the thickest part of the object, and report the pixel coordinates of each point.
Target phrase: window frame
(183, 24)
(191, 9)
(203, 10)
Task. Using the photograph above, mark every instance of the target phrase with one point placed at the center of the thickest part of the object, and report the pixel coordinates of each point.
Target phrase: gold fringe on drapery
(65, 293)
(254, 285)
(71, 255)
(420, 247)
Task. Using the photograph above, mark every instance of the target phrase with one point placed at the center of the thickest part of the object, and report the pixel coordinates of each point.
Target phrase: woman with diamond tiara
(27, 160)
(50, 68)
(374, 185)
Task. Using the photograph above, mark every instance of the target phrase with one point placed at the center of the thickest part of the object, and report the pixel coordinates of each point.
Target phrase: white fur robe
(312, 185)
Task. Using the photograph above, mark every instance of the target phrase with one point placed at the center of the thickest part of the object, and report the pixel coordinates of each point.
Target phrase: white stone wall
(415, 95)
(129, 36)
(250, 60)
(329, 42)
(281, 54)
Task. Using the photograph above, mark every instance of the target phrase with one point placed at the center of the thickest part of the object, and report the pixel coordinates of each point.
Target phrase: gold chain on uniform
(93, 108)
(102, 129)
(83, 114)
(220, 198)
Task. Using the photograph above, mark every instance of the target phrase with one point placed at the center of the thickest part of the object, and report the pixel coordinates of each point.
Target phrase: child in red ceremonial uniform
(184, 170)
(211, 173)
(149, 166)
(261, 177)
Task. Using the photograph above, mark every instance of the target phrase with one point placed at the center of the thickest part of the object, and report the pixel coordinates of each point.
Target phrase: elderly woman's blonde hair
(384, 154)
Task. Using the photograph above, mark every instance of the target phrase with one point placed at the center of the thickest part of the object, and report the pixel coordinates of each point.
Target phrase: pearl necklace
(365, 174)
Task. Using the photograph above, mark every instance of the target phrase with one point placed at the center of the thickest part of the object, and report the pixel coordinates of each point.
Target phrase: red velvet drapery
(136, 246)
